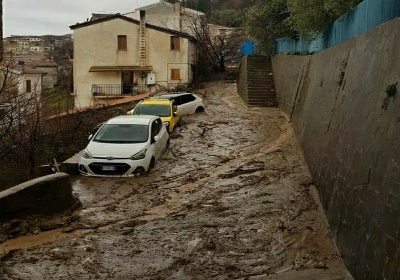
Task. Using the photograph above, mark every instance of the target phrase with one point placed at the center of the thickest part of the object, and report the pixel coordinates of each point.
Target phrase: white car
(188, 103)
(124, 146)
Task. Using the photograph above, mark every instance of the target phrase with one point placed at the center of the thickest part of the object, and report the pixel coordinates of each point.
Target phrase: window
(175, 74)
(122, 43)
(28, 85)
(187, 98)
(156, 127)
(175, 43)
(177, 100)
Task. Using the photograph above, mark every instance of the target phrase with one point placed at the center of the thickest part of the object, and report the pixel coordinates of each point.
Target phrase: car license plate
(108, 168)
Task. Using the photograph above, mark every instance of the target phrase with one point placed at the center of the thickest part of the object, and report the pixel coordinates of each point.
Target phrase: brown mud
(231, 199)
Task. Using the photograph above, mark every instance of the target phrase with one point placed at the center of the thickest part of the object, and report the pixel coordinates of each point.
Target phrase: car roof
(154, 101)
(172, 94)
(131, 119)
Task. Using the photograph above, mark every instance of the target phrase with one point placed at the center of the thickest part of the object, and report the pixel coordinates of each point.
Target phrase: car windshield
(122, 133)
(155, 110)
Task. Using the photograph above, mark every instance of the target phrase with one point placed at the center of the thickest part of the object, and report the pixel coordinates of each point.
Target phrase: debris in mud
(321, 265)
(240, 171)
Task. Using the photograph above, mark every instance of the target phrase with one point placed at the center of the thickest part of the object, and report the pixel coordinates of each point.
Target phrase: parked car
(188, 103)
(166, 109)
(124, 146)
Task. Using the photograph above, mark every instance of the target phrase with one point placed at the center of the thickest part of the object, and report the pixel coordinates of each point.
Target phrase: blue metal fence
(367, 15)
(247, 48)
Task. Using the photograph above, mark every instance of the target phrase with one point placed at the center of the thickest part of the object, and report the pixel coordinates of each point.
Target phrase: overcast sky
(53, 17)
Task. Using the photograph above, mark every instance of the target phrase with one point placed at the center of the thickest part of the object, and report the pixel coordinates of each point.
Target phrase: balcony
(117, 90)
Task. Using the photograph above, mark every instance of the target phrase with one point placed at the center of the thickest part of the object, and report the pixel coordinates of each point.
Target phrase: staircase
(257, 82)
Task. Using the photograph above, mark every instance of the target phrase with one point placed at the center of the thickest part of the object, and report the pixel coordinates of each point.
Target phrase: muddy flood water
(231, 199)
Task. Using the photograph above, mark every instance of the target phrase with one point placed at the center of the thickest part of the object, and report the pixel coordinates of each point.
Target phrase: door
(156, 131)
(127, 82)
(187, 104)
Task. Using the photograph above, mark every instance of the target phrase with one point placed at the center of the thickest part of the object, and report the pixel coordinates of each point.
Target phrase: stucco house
(20, 81)
(172, 16)
(22, 89)
(212, 38)
(116, 55)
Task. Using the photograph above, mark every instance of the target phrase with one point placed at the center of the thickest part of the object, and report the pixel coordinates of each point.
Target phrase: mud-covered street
(231, 199)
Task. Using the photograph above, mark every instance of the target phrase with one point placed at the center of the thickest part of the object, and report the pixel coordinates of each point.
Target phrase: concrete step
(264, 96)
(259, 83)
(260, 90)
(261, 99)
(264, 104)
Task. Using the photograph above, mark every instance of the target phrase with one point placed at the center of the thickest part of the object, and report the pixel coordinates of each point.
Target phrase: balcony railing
(117, 90)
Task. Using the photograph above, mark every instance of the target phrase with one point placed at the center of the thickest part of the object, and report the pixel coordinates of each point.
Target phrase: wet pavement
(231, 199)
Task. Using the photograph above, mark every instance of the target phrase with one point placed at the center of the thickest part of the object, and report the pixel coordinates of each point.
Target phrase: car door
(173, 117)
(156, 132)
(188, 105)
(155, 145)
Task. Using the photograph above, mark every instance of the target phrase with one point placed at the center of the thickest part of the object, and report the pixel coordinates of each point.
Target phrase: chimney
(178, 13)
(142, 39)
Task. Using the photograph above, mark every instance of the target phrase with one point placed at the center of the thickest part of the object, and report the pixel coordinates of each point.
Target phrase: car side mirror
(90, 137)
(174, 114)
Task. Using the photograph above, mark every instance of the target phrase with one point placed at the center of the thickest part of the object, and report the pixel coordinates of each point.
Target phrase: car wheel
(199, 109)
(151, 165)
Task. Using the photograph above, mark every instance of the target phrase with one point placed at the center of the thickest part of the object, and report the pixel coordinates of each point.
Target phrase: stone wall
(43, 195)
(349, 130)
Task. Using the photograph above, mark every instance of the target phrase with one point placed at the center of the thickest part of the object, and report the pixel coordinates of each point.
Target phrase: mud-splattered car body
(164, 108)
(124, 146)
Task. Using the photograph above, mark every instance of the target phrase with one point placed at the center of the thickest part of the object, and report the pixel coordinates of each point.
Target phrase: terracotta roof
(28, 70)
(171, 5)
(134, 21)
(99, 16)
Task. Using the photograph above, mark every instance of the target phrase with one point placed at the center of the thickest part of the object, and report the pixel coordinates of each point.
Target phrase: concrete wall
(349, 130)
(44, 195)
(242, 81)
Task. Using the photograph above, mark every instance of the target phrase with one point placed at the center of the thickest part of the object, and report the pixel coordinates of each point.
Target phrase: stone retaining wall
(43, 195)
(348, 126)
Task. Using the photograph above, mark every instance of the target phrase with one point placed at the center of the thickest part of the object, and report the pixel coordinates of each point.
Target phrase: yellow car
(164, 108)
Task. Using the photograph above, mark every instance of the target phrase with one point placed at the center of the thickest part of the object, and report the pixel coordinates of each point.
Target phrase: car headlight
(86, 154)
(139, 155)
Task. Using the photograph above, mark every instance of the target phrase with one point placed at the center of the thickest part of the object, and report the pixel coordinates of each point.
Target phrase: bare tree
(21, 122)
(216, 44)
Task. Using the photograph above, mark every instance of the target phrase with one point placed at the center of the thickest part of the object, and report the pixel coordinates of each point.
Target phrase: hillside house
(172, 16)
(116, 55)
(20, 81)
(22, 88)
(224, 42)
